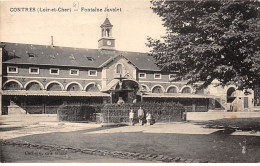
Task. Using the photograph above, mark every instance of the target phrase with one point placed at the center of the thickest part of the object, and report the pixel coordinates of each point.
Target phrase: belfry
(106, 41)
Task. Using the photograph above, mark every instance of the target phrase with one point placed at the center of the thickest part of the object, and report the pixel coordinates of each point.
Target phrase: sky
(79, 29)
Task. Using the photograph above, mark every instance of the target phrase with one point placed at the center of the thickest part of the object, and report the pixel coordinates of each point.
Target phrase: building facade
(39, 78)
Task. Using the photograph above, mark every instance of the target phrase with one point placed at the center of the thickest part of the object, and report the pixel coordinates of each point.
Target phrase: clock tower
(106, 41)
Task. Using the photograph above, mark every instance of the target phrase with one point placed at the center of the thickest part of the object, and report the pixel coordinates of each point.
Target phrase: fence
(41, 109)
(161, 112)
(197, 108)
(37, 109)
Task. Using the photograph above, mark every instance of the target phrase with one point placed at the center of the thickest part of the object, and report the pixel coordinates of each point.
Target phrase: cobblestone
(117, 154)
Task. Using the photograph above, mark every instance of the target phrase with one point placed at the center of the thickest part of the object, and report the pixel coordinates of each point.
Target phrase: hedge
(161, 112)
(114, 113)
(78, 112)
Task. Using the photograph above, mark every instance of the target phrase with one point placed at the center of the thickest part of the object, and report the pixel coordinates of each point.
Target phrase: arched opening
(119, 68)
(231, 94)
(172, 90)
(73, 87)
(92, 88)
(54, 87)
(157, 89)
(127, 90)
(186, 90)
(107, 32)
(33, 86)
(12, 86)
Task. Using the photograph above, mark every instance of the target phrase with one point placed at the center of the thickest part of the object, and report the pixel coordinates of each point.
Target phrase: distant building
(39, 78)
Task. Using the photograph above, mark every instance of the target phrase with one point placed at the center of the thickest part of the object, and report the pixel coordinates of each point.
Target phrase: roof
(112, 84)
(106, 23)
(54, 93)
(76, 57)
(141, 60)
(177, 95)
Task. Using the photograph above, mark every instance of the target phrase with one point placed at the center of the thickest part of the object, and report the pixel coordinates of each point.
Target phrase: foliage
(161, 112)
(78, 112)
(209, 40)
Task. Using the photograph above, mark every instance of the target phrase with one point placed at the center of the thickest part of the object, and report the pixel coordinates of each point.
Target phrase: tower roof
(106, 23)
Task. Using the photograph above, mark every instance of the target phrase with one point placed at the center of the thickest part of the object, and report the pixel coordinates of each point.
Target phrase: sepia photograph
(130, 81)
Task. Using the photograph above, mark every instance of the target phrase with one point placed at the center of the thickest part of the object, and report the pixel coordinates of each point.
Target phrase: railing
(36, 109)
(121, 114)
(197, 109)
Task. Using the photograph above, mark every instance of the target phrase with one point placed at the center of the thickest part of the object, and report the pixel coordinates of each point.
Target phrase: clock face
(109, 43)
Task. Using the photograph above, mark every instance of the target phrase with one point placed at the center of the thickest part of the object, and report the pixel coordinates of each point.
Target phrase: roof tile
(76, 57)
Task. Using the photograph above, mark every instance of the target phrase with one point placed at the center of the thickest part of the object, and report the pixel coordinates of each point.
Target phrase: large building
(39, 78)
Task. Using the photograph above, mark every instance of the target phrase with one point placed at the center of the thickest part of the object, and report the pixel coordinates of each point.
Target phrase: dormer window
(34, 70)
(72, 57)
(90, 58)
(52, 56)
(31, 55)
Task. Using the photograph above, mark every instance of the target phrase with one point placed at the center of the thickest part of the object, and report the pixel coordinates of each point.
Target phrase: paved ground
(182, 140)
(18, 154)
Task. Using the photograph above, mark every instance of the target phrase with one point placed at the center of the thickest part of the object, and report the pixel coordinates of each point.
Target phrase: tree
(209, 40)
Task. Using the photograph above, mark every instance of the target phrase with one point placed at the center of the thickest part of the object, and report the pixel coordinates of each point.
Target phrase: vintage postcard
(129, 81)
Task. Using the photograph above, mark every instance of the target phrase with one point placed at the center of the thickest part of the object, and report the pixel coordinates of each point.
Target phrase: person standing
(148, 118)
(140, 115)
(131, 117)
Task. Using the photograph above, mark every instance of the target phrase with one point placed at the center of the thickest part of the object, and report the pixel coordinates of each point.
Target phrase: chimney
(52, 41)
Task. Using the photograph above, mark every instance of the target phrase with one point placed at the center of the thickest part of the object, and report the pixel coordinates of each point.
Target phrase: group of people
(141, 117)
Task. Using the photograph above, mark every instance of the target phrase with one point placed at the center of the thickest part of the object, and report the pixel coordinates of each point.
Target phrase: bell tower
(106, 41)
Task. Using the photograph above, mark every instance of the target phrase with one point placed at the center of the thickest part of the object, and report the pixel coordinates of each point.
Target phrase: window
(119, 68)
(142, 75)
(74, 72)
(90, 58)
(186, 90)
(72, 57)
(217, 103)
(92, 73)
(34, 70)
(172, 76)
(12, 69)
(54, 71)
(245, 102)
(31, 55)
(157, 76)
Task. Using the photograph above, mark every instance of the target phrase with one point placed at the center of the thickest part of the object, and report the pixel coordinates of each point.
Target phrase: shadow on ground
(10, 128)
(218, 147)
(230, 125)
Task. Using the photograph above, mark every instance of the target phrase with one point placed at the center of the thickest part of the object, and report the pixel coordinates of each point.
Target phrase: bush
(161, 112)
(78, 112)
(114, 113)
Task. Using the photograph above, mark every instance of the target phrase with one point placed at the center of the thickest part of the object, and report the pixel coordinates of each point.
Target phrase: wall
(221, 93)
(109, 72)
(44, 77)
(220, 115)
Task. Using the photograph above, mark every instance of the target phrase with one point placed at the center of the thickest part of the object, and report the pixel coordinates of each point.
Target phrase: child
(131, 117)
(140, 115)
(148, 118)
